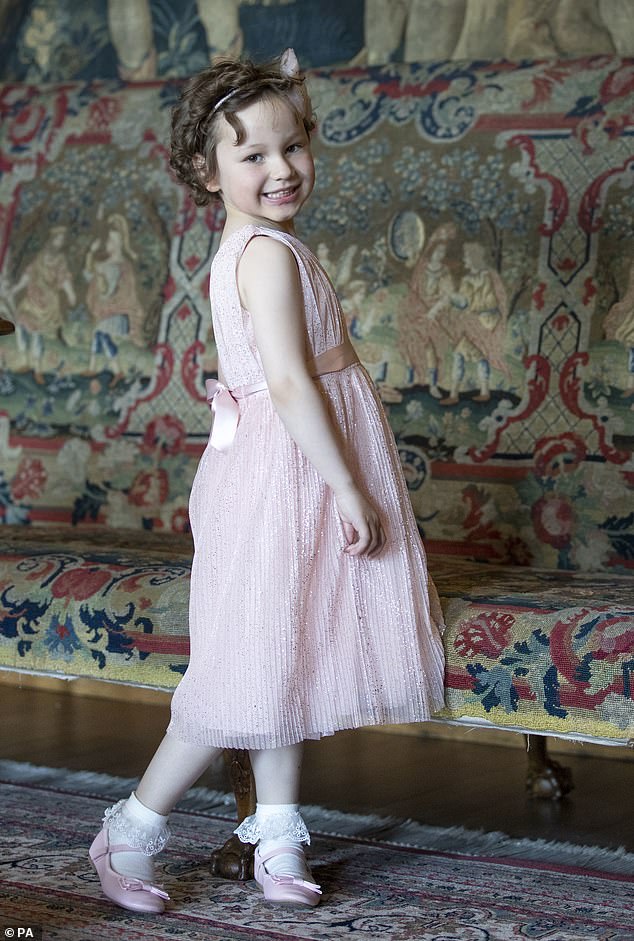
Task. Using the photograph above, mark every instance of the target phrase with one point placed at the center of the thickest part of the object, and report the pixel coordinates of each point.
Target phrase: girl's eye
(252, 158)
(294, 148)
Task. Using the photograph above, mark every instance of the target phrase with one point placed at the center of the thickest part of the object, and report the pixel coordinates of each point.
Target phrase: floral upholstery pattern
(71, 604)
(537, 650)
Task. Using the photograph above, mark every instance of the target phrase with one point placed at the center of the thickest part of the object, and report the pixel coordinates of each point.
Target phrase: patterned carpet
(381, 879)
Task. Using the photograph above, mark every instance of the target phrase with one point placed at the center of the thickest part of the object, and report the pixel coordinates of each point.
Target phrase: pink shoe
(131, 893)
(284, 889)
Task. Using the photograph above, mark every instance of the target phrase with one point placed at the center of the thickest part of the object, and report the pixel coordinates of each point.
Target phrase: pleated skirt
(292, 639)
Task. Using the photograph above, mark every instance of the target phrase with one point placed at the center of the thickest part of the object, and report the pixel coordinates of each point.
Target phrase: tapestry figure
(426, 332)
(619, 325)
(47, 291)
(112, 297)
(479, 326)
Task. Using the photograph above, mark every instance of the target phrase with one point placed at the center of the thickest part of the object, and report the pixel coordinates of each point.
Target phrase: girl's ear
(212, 185)
(289, 64)
(200, 166)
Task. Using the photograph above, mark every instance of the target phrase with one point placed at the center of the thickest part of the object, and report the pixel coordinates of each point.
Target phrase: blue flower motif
(61, 639)
(494, 687)
(376, 150)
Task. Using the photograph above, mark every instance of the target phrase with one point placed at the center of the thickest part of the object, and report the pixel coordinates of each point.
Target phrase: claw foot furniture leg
(234, 860)
(545, 777)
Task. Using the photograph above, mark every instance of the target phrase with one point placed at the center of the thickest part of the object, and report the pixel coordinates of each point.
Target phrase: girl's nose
(281, 169)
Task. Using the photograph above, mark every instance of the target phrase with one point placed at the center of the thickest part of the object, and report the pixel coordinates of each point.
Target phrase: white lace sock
(134, 824)
(276, 825)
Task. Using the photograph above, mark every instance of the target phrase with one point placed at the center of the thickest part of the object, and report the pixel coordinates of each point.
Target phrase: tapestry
(477, 221)
(137, 40)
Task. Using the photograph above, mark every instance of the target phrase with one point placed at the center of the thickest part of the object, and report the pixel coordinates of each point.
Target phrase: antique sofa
(477, 221)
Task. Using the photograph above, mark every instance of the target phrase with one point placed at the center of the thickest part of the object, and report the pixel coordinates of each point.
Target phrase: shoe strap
(281, 851)
(124, 848)
(106, 847)
(284, 878)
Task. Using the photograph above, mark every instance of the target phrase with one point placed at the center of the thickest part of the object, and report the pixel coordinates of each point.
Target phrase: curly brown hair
(195, 117)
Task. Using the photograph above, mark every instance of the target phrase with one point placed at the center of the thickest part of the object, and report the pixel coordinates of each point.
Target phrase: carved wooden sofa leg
(545, 777)
(234, 860)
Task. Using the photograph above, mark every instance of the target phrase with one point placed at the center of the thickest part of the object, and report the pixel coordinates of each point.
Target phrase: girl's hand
(361, 523)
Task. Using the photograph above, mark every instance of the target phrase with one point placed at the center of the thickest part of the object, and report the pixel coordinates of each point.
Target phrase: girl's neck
(234, 223)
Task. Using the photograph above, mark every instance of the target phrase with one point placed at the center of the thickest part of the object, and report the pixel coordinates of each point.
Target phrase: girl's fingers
(350, 533)
(369, 540)
(360, 540)
(378, 542)
(358, 545)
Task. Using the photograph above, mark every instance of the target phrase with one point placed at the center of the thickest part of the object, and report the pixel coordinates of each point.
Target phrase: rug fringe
(107, 786)
(407, 833)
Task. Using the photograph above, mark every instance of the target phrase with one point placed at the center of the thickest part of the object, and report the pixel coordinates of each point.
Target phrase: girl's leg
(141, 821)
(278, 827)
(277, 773)
(174, 768)
(136, 829)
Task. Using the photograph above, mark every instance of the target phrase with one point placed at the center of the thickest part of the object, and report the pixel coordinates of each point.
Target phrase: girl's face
(268, 177)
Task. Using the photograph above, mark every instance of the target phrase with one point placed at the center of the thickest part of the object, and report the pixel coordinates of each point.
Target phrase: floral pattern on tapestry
(485, 276)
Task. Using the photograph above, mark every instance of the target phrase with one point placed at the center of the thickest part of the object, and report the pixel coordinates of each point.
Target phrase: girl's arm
(270, 289)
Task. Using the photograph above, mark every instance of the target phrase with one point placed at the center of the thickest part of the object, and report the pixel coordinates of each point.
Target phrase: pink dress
(291, 639)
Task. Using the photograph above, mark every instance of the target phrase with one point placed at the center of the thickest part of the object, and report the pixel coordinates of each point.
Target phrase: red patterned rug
(382, 881)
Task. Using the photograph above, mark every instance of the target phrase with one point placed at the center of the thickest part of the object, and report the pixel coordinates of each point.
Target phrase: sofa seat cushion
(537, 650)
(97, 603)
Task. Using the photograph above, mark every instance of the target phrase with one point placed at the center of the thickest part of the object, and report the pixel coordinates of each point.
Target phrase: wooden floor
(435, 781)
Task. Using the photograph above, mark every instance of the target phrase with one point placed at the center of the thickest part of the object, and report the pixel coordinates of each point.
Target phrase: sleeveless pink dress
(291, 639)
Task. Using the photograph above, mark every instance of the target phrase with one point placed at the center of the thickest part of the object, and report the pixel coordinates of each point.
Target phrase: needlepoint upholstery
(545, 651)
(476, 219)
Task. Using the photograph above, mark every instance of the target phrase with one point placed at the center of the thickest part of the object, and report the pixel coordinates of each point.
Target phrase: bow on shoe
(283, 879)
(137, 885)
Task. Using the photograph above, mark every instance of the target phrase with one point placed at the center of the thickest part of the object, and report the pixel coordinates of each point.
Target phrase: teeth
(280, 194)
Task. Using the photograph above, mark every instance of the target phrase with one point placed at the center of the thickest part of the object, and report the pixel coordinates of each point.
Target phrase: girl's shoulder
(244, 235)
(235, 244)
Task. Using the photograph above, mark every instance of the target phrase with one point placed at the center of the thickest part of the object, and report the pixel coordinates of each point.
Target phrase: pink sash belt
(224, 401)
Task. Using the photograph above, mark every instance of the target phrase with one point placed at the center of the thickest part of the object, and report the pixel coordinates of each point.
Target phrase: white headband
(219, 104)
(289, 66)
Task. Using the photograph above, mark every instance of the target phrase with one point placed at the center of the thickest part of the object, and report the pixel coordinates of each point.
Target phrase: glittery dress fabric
(292, 639)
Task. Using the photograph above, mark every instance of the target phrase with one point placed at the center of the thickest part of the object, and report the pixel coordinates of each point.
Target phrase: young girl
(310, 604)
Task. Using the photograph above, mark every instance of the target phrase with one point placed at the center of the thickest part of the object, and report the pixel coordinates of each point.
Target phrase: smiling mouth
(282, 194)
